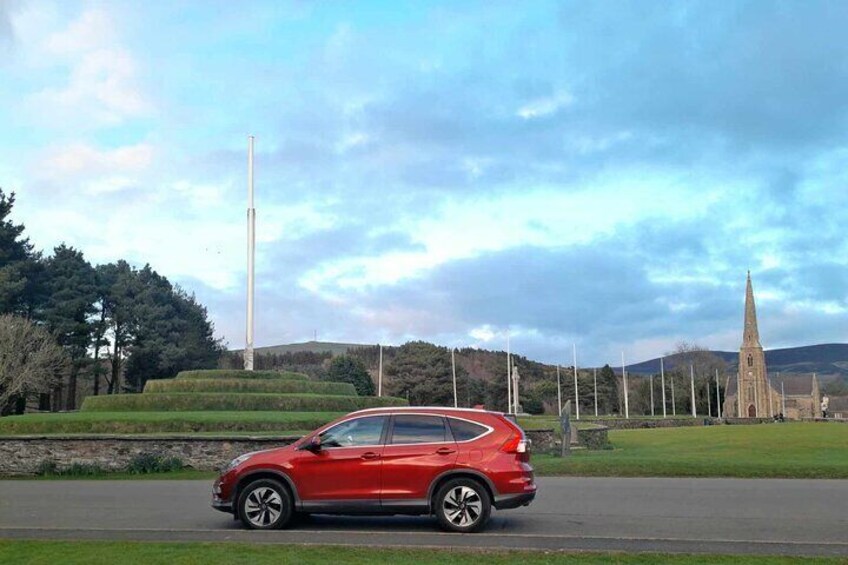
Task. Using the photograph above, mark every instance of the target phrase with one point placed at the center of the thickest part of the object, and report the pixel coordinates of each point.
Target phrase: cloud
(102, 87)
(541, 107)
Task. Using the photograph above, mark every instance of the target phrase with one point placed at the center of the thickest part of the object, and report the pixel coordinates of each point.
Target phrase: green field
(164, 422)
(107, 553)
(790, 450)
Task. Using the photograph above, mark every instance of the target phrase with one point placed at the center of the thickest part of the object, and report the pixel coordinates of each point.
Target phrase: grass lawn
(790, 450)
(106, 553)
(164, 422)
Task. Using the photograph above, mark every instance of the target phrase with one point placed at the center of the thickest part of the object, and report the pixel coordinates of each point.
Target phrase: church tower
(753, 393)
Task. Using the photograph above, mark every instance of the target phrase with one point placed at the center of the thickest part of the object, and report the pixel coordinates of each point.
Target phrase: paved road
(791, 517)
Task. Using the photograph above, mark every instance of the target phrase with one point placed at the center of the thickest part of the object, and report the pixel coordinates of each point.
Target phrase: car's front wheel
(463, 505)
(265, 504)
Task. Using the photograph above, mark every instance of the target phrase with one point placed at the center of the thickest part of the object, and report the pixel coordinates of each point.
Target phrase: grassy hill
(829, 361)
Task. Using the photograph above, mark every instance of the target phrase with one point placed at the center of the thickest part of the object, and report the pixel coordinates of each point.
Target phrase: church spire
(752, 333)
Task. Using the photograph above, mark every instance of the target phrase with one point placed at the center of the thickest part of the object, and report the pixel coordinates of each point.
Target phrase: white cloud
(541, 107)
(102, 86)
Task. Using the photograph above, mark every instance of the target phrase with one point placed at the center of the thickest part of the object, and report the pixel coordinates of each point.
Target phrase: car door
(419, 448)
(348, 465)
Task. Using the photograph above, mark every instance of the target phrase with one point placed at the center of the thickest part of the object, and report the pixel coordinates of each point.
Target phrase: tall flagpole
(652, 394)
(709, 400)
(576, 394)
(662, 382)
(559, 393)
(251, 249)
(718, 396)
(380, 374)
(453, 366)
(596, 391)
(673, 402)
(783, 401)
(626, 394)
(692, 384)
(508, 377)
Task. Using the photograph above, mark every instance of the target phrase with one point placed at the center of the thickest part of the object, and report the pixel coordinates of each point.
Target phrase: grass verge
(791, 450)
(106, 553)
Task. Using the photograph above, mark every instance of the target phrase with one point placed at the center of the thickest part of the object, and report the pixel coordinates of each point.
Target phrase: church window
(750, 360)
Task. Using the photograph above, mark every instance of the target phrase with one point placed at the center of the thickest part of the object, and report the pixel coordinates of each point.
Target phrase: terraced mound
(227, 390)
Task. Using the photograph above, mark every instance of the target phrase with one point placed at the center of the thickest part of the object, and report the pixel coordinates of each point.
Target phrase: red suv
(452, 463)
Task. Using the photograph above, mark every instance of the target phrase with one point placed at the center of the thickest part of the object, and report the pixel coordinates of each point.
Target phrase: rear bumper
(507, 501)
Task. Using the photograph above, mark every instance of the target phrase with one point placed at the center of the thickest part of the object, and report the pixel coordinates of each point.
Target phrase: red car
(455, 464)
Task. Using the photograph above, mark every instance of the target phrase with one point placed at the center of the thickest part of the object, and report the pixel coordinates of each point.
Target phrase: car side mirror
(313, 445)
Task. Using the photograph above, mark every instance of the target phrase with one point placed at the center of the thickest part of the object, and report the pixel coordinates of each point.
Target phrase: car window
(356, 432)
(418, 429)
(464, 430)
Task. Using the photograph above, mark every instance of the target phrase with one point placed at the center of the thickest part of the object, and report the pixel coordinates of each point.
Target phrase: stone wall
(24, 455)
(635, 423)
(548, 442)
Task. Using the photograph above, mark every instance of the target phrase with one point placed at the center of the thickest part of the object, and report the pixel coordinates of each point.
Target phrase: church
(753, 394)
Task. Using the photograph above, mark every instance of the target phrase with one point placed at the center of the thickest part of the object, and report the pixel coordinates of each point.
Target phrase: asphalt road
(790, 517)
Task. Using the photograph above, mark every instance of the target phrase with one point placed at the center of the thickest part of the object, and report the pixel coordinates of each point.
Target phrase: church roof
(838, 404)
(800, 385)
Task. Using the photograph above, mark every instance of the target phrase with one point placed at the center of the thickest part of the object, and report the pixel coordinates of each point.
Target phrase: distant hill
(828, 361)
(311, 346)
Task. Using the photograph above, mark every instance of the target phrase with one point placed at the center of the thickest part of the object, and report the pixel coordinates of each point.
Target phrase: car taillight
(518, 445)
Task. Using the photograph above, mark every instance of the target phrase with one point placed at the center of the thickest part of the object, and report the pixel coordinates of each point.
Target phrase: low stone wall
(547, 441)
(637, 423)
(25, 455)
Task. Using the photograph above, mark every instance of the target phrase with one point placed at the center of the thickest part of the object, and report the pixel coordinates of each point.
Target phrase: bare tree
(31, 362)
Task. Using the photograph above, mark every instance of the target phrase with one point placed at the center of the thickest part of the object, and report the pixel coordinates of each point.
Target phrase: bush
(281, 386)
(48, 467)
(145, 463)
(240, 374)
(347, 369)
(187, 401)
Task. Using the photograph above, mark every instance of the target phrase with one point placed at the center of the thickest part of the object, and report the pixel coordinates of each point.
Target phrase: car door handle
(370, 455)
(445, 451)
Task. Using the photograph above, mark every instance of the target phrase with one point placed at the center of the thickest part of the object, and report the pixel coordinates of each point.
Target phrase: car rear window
(463, 430)
(418, 429)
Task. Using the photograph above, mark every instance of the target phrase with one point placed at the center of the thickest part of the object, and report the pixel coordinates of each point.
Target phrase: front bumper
(507, 501)
(218, 502)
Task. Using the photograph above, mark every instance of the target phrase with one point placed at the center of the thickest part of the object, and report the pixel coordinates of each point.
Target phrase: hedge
(162, 422)
(281, 386)
(191, 401)
(240, 374)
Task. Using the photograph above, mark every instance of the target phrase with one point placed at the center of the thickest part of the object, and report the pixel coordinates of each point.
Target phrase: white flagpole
(768, 388)
(673, 402)
(576, 394)
(709, 400)
(453, 366)
(718, 396)
(596, 391)
(380, 373)
(559, 393)
(508, 377)
(783, 402)
(626, 394)
(692, 383)
(662, 382)
(251, 249)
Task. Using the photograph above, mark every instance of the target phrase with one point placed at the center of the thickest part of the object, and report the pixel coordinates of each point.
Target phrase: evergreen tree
(421, 372)
(608, 397)
(19, 265)
(71, 291)
(348, 369)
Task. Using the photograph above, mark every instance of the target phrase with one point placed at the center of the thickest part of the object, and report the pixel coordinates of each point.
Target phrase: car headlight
(238, 461)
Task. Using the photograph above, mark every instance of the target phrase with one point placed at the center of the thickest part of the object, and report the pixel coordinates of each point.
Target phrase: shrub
(186, 401)
(47, 467)
(281, 386)
(347, 369)
(145, 463)
(240, 374)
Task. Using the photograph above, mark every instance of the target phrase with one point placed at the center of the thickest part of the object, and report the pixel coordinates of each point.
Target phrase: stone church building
(753, 394)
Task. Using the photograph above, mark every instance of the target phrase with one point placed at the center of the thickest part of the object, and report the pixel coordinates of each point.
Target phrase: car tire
(264, 504)
(462, 505)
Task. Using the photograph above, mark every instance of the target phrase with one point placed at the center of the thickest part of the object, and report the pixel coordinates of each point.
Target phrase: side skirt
(365, 506)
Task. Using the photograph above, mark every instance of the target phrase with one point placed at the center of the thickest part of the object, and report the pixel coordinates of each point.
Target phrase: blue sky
(595, 173)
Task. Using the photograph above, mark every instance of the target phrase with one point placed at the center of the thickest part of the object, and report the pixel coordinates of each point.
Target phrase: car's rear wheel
(462, 505)
(265, 504)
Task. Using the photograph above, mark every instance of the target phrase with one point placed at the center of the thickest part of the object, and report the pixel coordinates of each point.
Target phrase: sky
(592, 173)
